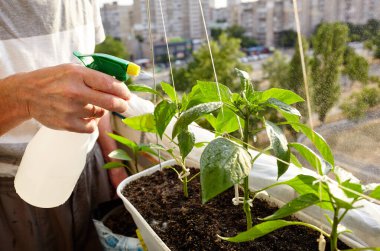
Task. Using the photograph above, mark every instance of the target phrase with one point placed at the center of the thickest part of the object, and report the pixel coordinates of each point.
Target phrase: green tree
(356, 67)
(287, 38)
(358, 103)
(226, 53)
(354, 108)
(371, 96)
(329, 45)
(373, 26)
(376, 43)
(236, 31)
(276, 70)
(112, 47)
(247, 42)
(216, 32)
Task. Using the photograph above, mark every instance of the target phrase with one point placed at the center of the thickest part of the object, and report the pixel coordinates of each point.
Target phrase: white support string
(209, 47)
(300, 46)
(167, 49)
(321, 240)
(153, 64)
(211, 56)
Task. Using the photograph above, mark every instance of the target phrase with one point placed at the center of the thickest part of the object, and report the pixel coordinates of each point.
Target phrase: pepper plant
(337, 197)
(225, 162)
(120, 154)
(164, 112)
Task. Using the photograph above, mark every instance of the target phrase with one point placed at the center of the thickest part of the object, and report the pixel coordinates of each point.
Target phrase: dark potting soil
(185, 224)
(121, 222)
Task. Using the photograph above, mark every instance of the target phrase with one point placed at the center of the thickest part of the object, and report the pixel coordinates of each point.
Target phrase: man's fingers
(104, 100)
(92, 111)
(81, 125)
(104, 83)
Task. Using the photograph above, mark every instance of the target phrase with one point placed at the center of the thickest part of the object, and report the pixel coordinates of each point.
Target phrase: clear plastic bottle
(51, 166)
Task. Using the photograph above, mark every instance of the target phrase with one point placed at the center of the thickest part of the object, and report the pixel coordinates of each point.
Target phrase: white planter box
(151, 239)
(154, 242)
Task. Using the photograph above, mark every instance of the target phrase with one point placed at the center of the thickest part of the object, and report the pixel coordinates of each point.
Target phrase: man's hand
(67, 97)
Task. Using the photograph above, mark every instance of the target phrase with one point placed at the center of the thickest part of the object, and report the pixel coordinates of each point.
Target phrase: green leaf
(285, 96)
(157, 147)
(295, 161)
(305, 184)
(309, 155)
(111, 165)
(169, 90)
(211, 93)
(223, 163)
(186, 142)
(227, 121)
(143, 88)
(119, 154)
(147, 148)
(318, 141)
(163, 114)
(279, 144)
(291, 118)
(192, 114)
(279, 105)
(194, 98)
(375, 193)
(343, 204)
(200, 144)
(353, 186)
(184, 102)
(299, 203)
(123, 141)
(144, 123)
(262, 229)
(242, 74)
(245, 82)
(211, 119)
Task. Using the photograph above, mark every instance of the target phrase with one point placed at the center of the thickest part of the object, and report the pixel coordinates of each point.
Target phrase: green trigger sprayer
(119, 68)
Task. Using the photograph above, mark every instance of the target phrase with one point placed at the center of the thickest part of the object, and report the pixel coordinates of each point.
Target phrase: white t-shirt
(36, 34)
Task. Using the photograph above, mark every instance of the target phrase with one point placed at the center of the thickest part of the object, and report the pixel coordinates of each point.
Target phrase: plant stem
(246, 206)
(136, 161)
(334, 231)
(184, 180)
(185, 192)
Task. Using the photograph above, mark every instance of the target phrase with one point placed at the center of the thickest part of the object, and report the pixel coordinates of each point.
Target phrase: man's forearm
(12, 109)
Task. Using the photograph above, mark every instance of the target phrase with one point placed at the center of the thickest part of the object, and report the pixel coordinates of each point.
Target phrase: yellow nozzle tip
(133, 69)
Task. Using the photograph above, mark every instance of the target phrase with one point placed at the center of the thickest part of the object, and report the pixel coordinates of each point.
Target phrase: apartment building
(265, 19)
(118, 22)
(262, 19)
(182, 20)
(131, 24)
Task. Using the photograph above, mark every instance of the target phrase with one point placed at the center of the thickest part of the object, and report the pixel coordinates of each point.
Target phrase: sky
(218, 3)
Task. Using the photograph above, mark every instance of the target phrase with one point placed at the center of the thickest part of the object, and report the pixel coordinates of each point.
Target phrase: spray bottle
(54, 160)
